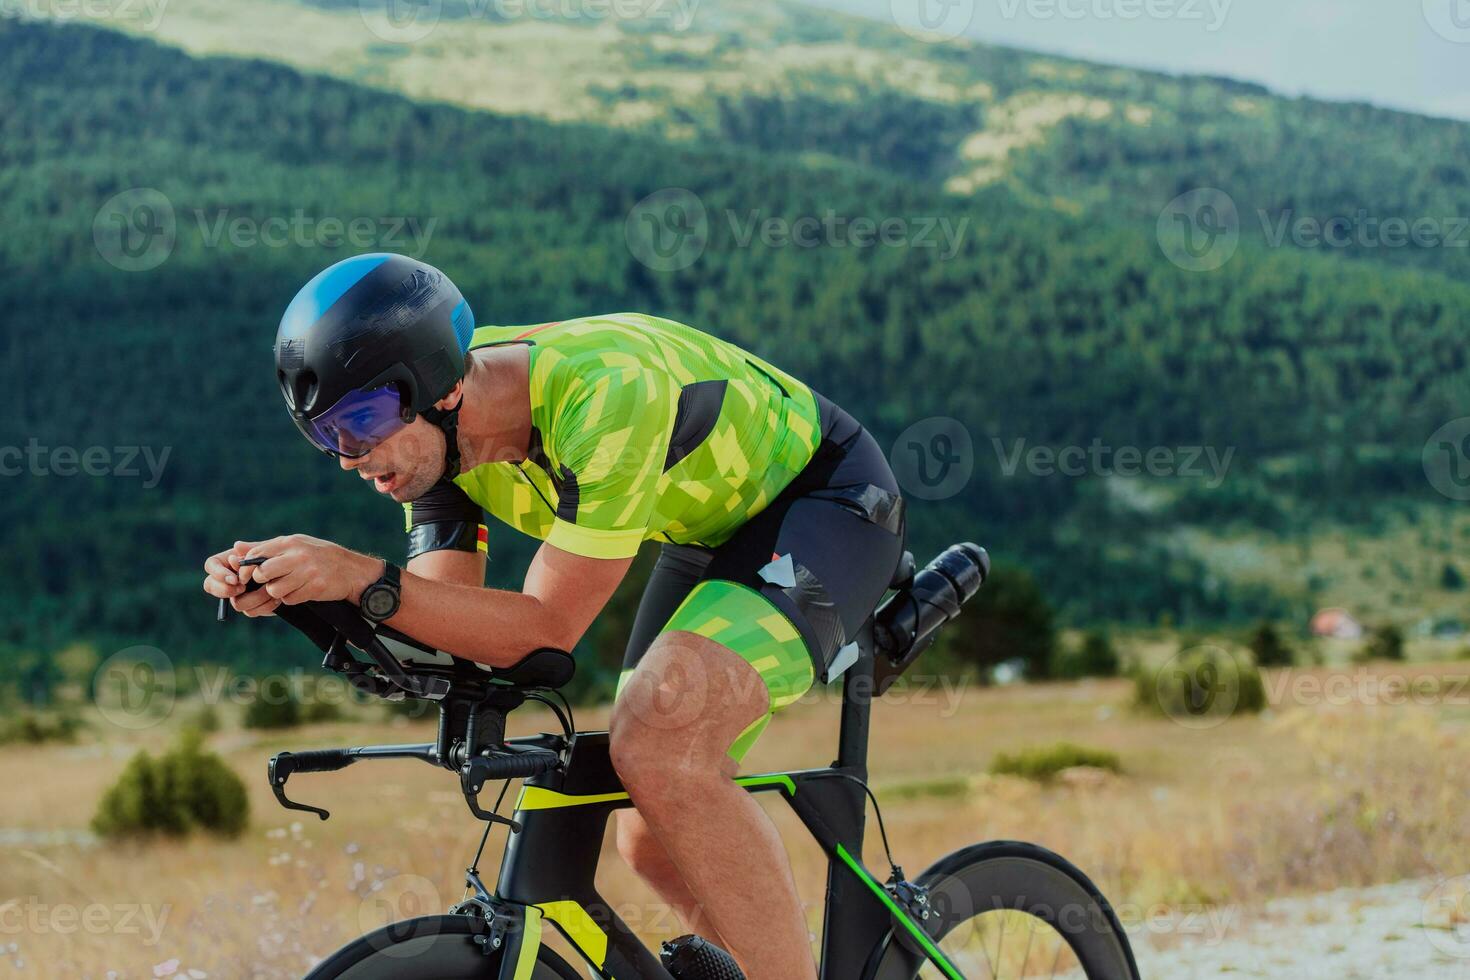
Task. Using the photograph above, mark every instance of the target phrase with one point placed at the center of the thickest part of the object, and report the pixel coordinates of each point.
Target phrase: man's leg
(689, 700)
(648, 859)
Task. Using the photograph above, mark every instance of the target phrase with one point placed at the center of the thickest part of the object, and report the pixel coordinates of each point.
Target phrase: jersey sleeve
(444, 519)
(608, 442)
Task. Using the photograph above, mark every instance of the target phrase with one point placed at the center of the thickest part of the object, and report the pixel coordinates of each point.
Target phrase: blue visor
(357, 424)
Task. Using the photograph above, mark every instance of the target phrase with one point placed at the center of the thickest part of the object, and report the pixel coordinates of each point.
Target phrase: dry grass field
(1354, 777)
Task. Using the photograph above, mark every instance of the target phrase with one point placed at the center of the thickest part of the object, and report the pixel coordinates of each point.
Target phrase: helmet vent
(290, 355)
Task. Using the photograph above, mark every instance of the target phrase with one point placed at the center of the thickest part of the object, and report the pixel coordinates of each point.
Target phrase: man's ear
(453, 399)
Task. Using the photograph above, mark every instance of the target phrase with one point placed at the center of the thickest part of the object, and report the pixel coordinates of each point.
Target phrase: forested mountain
(1318, 380)
(781, 76)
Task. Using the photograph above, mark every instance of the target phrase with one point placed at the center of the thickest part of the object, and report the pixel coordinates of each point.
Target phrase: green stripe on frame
(934, 953)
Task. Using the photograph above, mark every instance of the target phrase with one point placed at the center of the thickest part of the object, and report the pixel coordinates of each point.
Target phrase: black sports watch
(380, 600)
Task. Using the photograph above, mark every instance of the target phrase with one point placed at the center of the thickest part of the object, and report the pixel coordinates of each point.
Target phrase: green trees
(1039, 326)
(1009, 619)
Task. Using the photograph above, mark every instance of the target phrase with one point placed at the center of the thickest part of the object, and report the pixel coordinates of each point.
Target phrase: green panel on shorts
(748, 623)
(741, 619)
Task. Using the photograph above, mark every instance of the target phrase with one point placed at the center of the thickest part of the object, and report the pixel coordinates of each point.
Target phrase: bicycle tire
(1025, 878)
(431, 947)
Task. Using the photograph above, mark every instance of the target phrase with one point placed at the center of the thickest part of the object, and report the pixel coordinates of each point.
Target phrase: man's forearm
(491, 626)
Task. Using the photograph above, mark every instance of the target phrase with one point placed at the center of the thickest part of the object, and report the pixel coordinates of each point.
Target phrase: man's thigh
(689, 699)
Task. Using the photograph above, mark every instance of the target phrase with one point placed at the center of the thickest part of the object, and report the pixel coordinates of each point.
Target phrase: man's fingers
(255, 604)
(221, 589)
(217, 567)
(283, 585)
(265, 549)
(301, 590)
(273, 568)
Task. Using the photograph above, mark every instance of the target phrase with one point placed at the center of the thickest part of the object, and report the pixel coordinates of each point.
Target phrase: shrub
(317, 710)
(37, 727)
(1450, 578)
(185, 789)
(1199, 682)
(1269, 649)
(206, 719)
(1384, 643)
(1044, 762)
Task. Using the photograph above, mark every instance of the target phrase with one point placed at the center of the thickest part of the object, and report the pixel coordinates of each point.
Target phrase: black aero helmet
(367, 345)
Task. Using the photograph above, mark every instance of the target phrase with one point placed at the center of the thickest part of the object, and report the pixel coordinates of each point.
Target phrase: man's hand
(225, 579)
(297, 569)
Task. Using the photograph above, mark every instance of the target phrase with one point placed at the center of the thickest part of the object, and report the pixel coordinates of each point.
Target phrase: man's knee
(644, 758)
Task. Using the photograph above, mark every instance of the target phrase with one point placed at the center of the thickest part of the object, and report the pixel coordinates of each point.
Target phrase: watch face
(380, 602)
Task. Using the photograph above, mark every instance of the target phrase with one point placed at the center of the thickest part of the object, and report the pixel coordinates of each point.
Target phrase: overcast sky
(1408, 54)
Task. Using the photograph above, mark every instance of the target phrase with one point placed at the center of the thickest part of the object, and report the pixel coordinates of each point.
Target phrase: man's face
(406, 464)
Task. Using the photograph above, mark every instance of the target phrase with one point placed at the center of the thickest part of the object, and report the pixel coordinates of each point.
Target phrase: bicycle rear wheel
(1005, 910)
(432, 947)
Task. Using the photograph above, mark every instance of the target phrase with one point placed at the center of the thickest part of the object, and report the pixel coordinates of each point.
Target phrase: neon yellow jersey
(644, 428)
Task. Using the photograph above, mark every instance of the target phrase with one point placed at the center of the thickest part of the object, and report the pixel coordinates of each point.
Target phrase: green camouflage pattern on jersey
(605, 395)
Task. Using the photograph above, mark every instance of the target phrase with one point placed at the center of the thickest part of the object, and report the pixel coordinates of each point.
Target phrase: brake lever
(278, 776)
(224, 604)
(472, 779)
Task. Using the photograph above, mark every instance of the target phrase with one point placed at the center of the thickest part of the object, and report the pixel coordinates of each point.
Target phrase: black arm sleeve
(444, 519)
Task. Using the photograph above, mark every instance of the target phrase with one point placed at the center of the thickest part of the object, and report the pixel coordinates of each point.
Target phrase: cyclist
(779, 520)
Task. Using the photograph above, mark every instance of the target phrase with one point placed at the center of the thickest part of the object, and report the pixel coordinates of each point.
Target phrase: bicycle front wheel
(1009, 910)
(432, 947)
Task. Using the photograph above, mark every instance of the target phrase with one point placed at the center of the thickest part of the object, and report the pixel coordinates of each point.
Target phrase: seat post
(857, 704)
